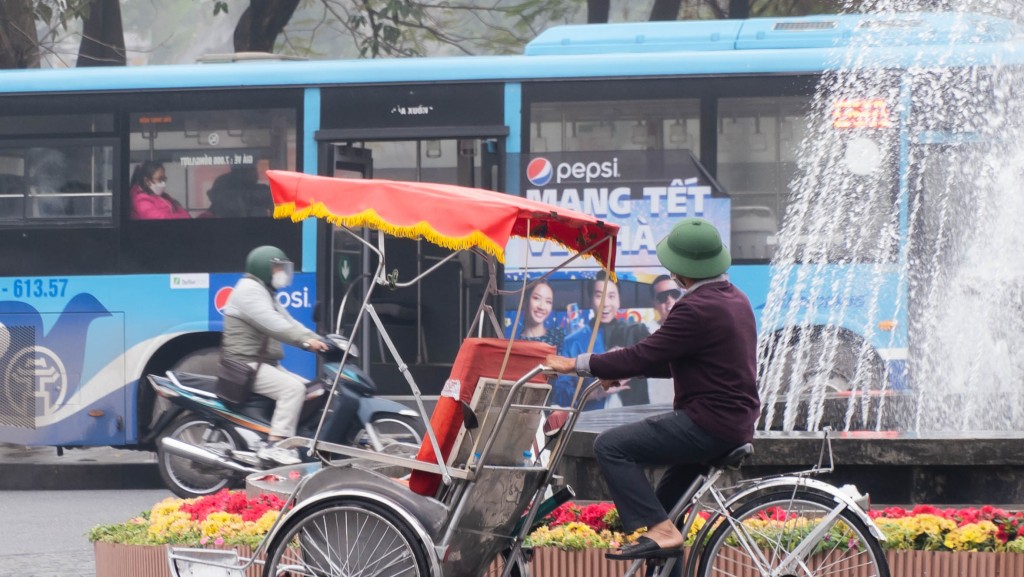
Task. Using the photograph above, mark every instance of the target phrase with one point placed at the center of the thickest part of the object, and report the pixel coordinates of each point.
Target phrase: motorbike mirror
(469, 417)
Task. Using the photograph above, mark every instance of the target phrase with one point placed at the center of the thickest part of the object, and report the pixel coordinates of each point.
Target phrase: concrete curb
(93, 468)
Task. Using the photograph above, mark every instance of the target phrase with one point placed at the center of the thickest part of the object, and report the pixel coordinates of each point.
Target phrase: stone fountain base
(894, 467)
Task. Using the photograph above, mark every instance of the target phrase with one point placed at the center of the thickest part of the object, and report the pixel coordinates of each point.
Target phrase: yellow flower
(698, 524)
(221, 524)
(261, 526)
(978, 536)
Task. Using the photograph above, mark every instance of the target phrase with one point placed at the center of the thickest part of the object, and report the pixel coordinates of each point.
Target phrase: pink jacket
(146, 206)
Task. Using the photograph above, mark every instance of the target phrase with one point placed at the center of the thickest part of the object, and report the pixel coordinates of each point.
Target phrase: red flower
(889, 513)
(775, 514)
(235, 502)
(593, 515)
(565, 513)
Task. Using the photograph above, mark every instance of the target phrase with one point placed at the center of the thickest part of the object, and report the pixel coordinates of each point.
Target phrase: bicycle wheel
(346, 537)
(761, 534)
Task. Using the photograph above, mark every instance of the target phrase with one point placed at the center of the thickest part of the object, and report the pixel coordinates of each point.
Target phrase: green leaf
(45, 12)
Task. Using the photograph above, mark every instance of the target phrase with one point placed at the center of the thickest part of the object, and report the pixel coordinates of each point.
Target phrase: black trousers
(671, 439)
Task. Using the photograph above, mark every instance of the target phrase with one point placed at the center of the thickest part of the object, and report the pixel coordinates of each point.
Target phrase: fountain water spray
(897, 297)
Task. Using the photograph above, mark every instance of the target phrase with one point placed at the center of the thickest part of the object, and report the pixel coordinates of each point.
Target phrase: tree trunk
(261, 23)
(739, 9)
(19, 43)
(665, 10)
(597, 11)
(102, 35)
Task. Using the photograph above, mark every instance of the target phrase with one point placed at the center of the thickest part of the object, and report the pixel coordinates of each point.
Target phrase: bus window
(615, 125)
(59, 181)
(215, 160)
(64, 124)
(757, 144)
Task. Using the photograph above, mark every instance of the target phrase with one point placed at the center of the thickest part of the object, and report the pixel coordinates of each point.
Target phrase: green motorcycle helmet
(262, 261)
(694, 250)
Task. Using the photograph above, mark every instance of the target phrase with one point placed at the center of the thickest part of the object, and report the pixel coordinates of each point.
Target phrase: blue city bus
(640, 122)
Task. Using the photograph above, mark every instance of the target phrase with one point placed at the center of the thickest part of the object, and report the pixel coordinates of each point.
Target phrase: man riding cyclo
(707, 345)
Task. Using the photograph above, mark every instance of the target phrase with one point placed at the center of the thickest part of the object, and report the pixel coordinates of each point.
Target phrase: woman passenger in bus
(149, 199)
(539, 303)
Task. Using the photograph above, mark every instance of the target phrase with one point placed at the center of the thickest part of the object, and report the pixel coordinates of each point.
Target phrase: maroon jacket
(708, 346)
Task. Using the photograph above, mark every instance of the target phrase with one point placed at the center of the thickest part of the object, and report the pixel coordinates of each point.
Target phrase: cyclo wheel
(346, 537)
(774, 524)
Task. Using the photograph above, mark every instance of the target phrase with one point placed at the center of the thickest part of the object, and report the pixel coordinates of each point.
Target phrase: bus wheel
(201, 362)
(187, 478)
(822, 361)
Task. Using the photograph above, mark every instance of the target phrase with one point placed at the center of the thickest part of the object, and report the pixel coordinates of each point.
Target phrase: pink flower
(219, 541)
(204, 540)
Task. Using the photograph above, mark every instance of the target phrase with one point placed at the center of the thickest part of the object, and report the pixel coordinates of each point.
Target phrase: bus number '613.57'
(39, 288)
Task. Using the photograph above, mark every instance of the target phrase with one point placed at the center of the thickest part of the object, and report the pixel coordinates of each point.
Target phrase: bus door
(427, 321)
(951, 190)
(346, 264)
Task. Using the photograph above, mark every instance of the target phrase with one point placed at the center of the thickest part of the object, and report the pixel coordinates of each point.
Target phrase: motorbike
(206, 444)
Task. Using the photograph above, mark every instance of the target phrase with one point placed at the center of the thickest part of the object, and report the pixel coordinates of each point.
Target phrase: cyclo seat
(734, 458)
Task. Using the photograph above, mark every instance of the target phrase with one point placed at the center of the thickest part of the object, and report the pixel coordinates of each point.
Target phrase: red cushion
(478, 358)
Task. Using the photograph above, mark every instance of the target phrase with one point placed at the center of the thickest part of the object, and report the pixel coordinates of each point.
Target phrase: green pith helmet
(259, 261)
(694, 250)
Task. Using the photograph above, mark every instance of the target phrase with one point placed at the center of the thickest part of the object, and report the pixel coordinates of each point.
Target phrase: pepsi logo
(220, 300)
(539, 171)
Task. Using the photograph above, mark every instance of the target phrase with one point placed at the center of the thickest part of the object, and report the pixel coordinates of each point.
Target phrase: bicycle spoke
(795, 534)
(345, 541)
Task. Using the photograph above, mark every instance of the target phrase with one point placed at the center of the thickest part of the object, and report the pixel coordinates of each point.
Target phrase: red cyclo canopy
(454, 217)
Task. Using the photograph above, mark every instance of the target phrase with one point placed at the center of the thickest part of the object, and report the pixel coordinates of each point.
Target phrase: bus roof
(823, 31)
(649, 49)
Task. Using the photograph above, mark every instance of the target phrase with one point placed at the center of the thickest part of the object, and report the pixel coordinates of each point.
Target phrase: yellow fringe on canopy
(369, 218)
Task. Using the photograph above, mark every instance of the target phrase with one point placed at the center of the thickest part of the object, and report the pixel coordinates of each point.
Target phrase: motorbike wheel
(392, 429)
(186, 478)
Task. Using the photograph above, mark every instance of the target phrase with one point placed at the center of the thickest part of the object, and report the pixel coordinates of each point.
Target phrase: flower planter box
(114, 560)
(955, 564)
(551, 562)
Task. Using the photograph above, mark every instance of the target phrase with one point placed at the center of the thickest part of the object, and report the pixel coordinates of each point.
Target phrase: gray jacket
(252, 313)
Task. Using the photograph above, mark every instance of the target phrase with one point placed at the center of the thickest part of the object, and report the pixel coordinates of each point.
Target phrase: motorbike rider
(254, 315)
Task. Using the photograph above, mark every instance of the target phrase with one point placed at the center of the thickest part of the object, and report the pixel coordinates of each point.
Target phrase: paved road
(43, 533)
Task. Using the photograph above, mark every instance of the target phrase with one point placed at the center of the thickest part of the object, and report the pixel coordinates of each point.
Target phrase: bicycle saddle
(734, 458)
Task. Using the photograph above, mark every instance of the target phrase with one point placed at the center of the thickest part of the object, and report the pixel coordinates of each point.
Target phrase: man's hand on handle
(315, 345)
(567, 366)
(564, 365)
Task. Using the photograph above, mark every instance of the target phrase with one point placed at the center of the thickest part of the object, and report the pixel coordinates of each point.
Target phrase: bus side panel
(753, 280)
(47, 365)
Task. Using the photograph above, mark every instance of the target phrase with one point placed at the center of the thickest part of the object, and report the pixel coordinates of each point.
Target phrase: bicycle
(773, 526)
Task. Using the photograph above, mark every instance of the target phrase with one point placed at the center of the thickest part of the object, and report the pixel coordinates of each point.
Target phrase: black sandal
(645, 548)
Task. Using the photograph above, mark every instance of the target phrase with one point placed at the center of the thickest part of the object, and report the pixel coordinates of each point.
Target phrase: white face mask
(158, 187)
(279, 279)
